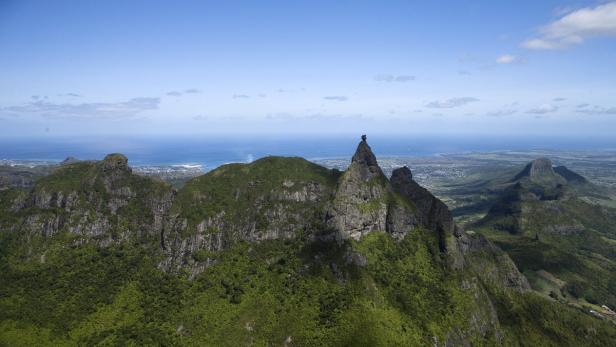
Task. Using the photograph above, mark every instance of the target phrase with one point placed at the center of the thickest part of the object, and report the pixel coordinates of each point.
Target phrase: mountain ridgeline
(279, 252)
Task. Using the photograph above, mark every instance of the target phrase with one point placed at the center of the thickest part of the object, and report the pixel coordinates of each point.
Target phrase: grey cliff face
(94, 204)
(540, 167)
(431, 212)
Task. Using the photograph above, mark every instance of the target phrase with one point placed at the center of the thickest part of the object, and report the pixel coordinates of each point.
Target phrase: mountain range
(280, 251)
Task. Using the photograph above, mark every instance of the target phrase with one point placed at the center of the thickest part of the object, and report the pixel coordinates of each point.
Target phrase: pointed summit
(365, 160)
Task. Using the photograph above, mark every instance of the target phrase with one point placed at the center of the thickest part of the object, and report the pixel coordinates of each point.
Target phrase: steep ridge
(276, 252)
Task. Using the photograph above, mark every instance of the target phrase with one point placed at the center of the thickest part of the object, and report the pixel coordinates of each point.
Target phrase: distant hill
(562, 242)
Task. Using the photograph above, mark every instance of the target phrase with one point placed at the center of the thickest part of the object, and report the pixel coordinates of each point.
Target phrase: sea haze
(211, 152)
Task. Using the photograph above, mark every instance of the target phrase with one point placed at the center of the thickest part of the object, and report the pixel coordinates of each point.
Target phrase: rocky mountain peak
(366, 160)
(541, 167)
(116, 162)
(540, 171)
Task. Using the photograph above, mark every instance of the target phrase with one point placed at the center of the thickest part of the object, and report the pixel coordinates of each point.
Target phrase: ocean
(210, 152)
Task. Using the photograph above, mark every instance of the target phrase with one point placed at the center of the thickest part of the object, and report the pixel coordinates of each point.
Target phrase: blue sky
(291, 67)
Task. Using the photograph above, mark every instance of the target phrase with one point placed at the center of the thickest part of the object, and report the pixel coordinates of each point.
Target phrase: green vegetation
(265, 293)
(531, 320)
(261, 293)
(243, 191)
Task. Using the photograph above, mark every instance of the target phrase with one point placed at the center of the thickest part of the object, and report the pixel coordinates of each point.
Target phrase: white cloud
(543, 109)
(450, 103)
(575, 27)
(509, 59)
(501, 113)
(336, 98)
(185, 91)
(92, 110)
(597, 110)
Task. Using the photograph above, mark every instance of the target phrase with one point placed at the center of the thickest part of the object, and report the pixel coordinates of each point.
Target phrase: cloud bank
(596, 110)
(93, 110)
(575, 27)
(543, 109)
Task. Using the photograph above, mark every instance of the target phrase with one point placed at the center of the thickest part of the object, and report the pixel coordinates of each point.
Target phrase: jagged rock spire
(365, 160)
